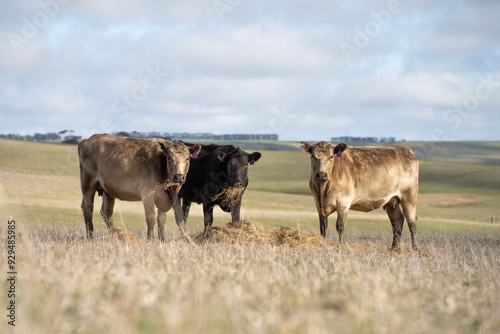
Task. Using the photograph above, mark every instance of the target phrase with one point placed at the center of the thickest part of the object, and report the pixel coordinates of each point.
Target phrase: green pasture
(278, 184)
(38, 157)
(288, 171)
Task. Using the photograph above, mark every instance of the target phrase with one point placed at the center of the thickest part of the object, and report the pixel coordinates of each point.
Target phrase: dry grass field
(70, 285)
(258, 279)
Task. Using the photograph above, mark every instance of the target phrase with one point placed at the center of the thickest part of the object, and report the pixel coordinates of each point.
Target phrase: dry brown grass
(229, 196)
(270, 284)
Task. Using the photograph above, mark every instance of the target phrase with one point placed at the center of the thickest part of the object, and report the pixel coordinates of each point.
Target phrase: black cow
(217, 168)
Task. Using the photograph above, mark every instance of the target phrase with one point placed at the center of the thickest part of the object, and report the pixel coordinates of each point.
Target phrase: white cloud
(256, 50)
(417, 89)
(238, 92)
(22, 54)
(229, 75)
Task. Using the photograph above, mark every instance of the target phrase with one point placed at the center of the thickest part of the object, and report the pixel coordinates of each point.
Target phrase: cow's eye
(331, 158)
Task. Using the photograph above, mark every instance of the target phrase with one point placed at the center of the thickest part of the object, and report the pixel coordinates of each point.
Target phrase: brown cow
(364, 179)
(131, 169)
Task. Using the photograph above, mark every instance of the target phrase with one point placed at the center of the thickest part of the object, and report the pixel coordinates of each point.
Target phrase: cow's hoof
(395, 248)
(206, 234)
(237, 224)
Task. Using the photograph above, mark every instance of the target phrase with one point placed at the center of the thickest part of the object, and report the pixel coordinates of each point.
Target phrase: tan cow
(131, 169)
(364, 179)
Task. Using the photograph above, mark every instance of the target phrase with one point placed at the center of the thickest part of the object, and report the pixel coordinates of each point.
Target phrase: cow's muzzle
(179, 178)
(239, 184)
(321, 177)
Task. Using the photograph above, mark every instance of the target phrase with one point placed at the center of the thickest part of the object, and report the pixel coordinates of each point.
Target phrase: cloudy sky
(419, 70)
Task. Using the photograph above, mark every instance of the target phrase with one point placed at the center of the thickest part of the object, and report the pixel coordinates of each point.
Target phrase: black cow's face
(236, 166)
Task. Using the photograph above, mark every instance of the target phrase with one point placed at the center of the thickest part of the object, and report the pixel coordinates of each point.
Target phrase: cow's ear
(339, 149)
(306, 147)
(193, 150)
(163, 147)
(221, 156)
(252, 158)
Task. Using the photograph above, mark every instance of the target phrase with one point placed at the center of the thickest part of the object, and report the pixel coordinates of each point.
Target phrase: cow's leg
(178, 211)
(397, 219)
(235, 214)
(208, 217)
(88, 193)
(108, 204)
(149, 210)
(186, 205)
(161, 219)
(88, 211)
(409, 203)
(340, 225)
(323, 225)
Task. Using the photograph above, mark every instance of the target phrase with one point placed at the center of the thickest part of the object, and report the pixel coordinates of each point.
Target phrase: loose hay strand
(161, 186)
(122, 234)
(184, 234)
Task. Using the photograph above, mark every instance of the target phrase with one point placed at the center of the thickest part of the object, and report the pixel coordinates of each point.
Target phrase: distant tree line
(198, 136)
(68, 136)
(347, 139)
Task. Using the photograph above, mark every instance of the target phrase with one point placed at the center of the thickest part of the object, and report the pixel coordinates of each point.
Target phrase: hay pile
(121, 234)
(249, 233)
(229, 196)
